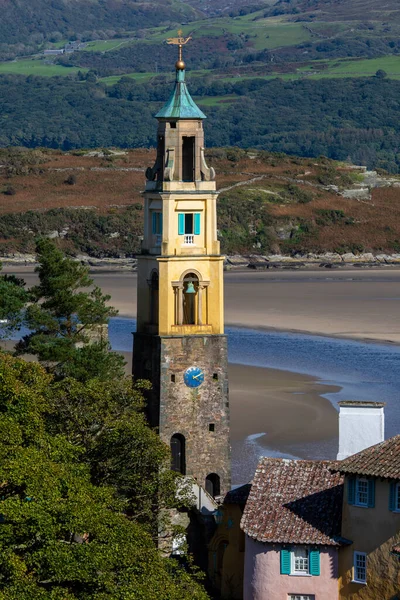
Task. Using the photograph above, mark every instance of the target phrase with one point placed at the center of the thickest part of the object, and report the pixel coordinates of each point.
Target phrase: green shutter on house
(351, 490)
(197, 218)
(371, 493)
(154, 220)
(315, 562)
(181, 224)
(285, 561)
(392, 496)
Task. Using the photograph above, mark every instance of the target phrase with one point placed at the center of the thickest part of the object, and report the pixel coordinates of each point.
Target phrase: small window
(300, 561)
(173, 378)
(157, 223)
(172, 125)
(360, 567)
(300, 597)
(211, 427)
(215, 376)
(394, 497)
(361, 492)
(189, 224)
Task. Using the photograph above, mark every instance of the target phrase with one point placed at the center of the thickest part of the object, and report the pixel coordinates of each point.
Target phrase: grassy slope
(249, 216)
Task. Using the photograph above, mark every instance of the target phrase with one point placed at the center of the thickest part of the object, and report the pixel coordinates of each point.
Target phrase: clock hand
(197, 376)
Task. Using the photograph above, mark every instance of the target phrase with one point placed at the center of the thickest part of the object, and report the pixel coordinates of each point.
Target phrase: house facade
(292, 523)
(369, 568)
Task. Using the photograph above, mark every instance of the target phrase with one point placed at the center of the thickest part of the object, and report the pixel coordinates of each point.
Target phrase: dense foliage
(70, 527)
(13, 298)
(66, 322)
(339, 118)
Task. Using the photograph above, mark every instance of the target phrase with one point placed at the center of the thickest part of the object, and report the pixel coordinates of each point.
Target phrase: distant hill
(341, 10)
(23, 21)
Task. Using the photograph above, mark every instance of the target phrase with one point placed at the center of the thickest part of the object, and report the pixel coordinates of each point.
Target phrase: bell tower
(180, 344)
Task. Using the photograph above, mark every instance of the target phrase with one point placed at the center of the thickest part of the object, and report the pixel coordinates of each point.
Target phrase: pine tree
(66, 318)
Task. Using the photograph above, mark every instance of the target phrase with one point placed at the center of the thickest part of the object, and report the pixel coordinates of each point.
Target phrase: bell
(190, 288)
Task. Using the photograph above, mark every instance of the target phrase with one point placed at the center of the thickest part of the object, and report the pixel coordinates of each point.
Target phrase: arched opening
(188, 158)
(178, 460)
(190, 295)
(154, 295)
(213, 485)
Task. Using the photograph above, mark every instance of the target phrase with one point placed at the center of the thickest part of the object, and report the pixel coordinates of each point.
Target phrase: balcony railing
(188, 239)
(158, 240)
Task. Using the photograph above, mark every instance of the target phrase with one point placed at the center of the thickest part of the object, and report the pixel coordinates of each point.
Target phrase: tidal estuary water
(362, 371)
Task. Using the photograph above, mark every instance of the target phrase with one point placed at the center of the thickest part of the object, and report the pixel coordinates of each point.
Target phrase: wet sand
(353, 303)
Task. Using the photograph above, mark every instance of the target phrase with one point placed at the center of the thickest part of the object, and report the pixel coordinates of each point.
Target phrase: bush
(9, 190)
(71, 180)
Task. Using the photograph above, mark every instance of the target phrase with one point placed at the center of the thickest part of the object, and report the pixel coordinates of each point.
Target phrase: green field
(37, 67)
(263, 33)
(106, 45)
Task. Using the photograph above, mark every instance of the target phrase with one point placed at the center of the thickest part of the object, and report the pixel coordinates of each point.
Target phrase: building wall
(263, 581)
(227, 574)
(374, 531)
(174, 408)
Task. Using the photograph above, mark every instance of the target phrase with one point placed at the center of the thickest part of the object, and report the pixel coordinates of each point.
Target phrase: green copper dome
(180, 105)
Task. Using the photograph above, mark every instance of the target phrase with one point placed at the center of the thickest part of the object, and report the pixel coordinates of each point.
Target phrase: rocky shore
(328, 260)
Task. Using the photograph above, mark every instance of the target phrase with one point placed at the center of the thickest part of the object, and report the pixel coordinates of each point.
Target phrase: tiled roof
(381, 460)
(239, 495)
(294, 502)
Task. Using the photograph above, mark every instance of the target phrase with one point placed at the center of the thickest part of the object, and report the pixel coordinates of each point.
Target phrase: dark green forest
(356, 119)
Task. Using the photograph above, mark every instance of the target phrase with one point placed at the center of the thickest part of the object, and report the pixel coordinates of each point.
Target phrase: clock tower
(180, 344)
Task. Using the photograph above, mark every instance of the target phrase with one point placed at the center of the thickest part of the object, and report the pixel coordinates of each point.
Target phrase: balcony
(157, 240)
(188, 239)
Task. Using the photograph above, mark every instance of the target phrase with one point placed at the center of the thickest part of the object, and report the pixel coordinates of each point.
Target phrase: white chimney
(361, 425)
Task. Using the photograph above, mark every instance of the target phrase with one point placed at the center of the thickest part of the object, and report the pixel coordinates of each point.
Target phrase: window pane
(360, 567)
(362, 492)
(397, 502)
(300, 560)
(189, 223)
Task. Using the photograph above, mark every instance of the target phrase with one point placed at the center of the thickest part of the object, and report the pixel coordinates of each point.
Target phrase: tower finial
(180, 41)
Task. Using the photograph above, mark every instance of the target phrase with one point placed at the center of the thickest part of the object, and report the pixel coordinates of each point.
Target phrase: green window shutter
(181, 224)
(371, 493)
(285, 561)
(315, 562)
(154, 221)
(392, 496)
(197, 218)
(351, 490)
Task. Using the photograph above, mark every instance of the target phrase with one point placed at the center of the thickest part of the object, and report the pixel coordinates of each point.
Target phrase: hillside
(35, 20)
(91, 203)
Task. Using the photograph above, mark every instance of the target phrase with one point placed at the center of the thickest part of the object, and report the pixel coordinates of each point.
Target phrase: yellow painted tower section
(180, 269)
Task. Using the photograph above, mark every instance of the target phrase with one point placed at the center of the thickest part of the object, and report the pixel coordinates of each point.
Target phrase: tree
(13, 298)
(62, 536)
(67, 322)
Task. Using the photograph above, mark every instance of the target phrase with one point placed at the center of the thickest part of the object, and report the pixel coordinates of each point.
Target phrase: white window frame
(358, 492)
(356, 578)
(301, 597)
(306, 559)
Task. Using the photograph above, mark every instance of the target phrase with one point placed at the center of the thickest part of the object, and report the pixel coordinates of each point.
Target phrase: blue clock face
(193, 377)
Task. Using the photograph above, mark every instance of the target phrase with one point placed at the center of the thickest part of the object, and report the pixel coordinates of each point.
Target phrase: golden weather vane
(180, 41)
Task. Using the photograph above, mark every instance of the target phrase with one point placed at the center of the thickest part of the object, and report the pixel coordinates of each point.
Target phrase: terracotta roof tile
(381, 460)
(294, 501)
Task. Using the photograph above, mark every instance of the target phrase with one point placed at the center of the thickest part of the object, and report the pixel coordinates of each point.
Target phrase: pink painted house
(292, 523)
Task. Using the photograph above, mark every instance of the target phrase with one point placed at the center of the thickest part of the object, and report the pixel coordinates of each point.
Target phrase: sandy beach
(287, 408)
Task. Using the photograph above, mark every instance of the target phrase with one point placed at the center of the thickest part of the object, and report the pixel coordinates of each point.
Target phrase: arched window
(213, 485)
(190, 295)
(178, 460)
(154, 286)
